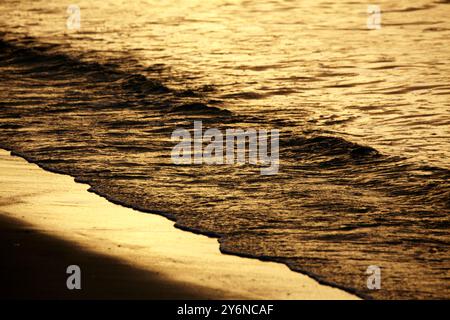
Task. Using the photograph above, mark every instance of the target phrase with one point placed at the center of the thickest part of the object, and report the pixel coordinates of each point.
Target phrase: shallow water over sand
(306, 61)
(363, 116)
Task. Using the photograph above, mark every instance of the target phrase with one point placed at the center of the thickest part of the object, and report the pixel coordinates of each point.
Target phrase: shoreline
(142, 255)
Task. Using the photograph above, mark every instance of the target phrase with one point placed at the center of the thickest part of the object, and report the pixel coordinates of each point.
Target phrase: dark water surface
(363, 178)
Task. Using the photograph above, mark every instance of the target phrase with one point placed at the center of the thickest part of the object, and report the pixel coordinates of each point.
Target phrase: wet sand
(48, 222)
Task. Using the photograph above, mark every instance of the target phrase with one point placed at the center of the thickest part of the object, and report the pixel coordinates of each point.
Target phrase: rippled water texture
(363, 115)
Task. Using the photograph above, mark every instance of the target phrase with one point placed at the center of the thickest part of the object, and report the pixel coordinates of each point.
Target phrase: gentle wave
(335, 208)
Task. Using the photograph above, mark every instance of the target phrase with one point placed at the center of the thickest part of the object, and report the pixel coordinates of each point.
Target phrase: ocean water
(364, 120)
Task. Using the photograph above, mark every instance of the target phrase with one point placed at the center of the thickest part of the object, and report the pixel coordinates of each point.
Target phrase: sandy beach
(49, 222)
